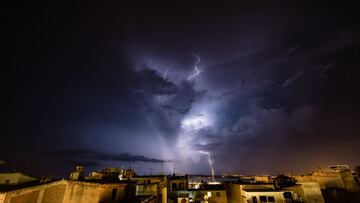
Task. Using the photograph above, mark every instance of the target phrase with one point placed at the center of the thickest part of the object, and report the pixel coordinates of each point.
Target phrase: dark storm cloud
(165, 102)
(278, 82)
(152, 82)
(86, 154)
(277, 100)
(291, 109)
(81, 162)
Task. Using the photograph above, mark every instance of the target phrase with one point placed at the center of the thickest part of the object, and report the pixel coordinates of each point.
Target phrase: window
(263, 199)
(271, 199)
(113, 195)
(217, 194)
(174, 185)
(254, 200)
(181, 185)
(7, 181)
(288, 195)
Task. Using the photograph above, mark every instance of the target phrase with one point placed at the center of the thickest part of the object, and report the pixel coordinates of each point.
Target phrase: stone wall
(65, 191)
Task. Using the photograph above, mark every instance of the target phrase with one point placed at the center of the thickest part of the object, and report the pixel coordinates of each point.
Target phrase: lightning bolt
(197, 70)
(167, 70)
(211, 165)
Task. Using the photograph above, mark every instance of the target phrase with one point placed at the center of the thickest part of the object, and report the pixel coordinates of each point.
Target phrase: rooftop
(262, 190)
(150, 176)
(255, 183)
(6, 188)
(209, 187)
(177, 177)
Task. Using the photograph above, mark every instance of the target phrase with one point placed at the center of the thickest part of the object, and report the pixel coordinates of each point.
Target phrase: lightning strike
(211, 165)
(197, 70)
(166, 72)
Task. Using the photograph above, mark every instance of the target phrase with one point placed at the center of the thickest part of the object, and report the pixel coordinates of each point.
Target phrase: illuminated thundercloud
(197, 70)
(211, 165)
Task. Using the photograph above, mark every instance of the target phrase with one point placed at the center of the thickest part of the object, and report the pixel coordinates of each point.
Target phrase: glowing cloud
(196, 122)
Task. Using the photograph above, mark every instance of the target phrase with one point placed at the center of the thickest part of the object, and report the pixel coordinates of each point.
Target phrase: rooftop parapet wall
(67, 191)
(15, 178)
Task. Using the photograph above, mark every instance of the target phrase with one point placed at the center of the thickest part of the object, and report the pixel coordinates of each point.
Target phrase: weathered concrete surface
(64, 191)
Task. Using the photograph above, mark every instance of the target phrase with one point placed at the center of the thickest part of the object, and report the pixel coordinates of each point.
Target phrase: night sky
(263, 88)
